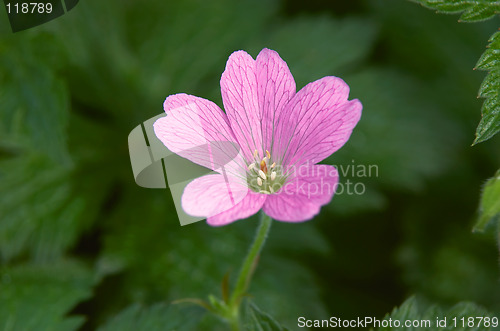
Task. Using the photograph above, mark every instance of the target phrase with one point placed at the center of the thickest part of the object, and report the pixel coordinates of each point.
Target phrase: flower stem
(248, 267)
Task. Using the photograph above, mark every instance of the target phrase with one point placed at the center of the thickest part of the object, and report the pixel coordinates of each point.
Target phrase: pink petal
(250, 205)
(301, 198)
(211, 195)
(320, 120)
(239, 95)
(275, 87)
(198, 130)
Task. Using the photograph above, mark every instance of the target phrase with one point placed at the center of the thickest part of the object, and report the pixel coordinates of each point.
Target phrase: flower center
(265, 176)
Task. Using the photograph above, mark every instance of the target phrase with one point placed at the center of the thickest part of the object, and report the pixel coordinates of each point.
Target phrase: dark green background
(79, 238)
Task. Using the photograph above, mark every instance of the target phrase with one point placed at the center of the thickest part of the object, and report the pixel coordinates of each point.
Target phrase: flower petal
(198, 130)
(275, 88)
(301, 198)
(319, 120)
(211, 195)
(239, 95)
(250, 205)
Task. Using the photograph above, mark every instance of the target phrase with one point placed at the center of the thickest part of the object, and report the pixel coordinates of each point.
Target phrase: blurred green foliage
(37, 296)
(254, 319)
(79, 239)
(155, 318)
(490, 202)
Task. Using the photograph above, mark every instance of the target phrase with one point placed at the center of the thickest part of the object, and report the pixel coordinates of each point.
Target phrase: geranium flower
(266, 147)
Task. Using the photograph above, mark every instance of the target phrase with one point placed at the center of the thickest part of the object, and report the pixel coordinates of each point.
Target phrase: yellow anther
(268, 154)
(263, 166)
(256, 154)
(273, 165)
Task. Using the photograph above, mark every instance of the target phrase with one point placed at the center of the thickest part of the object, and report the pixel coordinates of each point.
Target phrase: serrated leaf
(480, 12)
(253, 319)
(466, 310)
(490, 120)
(490, 85)
(37, 297)
(474, 10)
(490, 89)
(407, 311)
(452, 7)
(427, 319)
(490, 203)
(159, 317)
(489, 61)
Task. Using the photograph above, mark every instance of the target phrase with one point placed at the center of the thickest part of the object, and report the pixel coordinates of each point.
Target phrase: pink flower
(266, 147)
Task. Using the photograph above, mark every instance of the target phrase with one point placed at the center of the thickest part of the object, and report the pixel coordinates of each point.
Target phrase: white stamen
(265, 192)
(259, 181)
(251, 166)
(273, 175)
(271, 189)
(262, 174)
(265, 159)
(255, 154)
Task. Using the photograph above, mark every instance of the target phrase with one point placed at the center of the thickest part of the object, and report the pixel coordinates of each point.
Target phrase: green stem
(248, 268)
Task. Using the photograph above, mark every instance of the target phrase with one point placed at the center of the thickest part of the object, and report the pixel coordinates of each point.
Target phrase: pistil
(262, 178)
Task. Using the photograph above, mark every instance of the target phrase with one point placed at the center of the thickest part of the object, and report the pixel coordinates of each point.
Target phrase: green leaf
(427, 319)
(37, 297)
(466, 310)
(35, 101)
(473, 10)
(256, 320)
(490, 85)
(490, 120)
(490, 203)
(490, 89)
(41, 187)
(159, 317)
(54, 209)
(407, 311)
